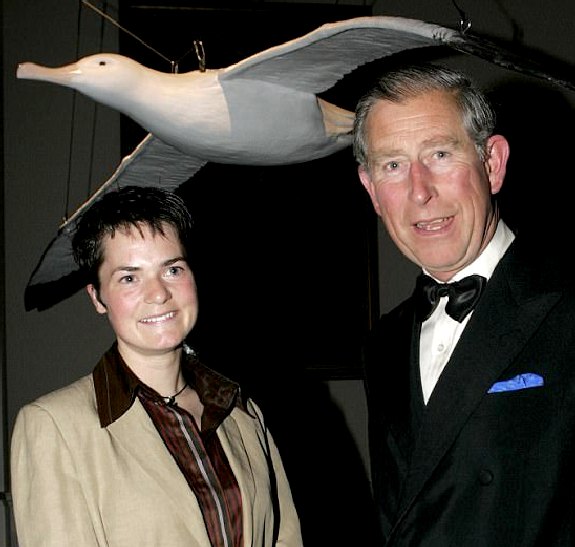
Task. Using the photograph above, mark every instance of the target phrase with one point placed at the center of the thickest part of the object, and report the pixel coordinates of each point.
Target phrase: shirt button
(440, 348)
(485, 477)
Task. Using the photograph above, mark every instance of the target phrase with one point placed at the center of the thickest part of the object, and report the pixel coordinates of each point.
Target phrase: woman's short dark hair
(126, 208)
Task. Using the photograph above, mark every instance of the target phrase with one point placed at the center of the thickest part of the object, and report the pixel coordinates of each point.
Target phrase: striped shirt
(198, 453)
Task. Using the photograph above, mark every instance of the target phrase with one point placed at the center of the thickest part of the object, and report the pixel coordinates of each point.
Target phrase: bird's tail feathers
(336, 120)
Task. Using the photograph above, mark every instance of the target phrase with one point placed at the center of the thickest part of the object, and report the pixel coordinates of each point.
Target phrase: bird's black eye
(102, 63)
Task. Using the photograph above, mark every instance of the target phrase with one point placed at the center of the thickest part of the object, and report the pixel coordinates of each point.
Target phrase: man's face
(147, 289)
(428, 183)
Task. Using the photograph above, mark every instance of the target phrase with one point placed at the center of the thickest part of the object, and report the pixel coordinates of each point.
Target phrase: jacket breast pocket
(518, 419)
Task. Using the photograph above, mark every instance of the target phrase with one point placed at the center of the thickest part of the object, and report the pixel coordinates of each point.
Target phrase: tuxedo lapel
(389, 381)
(501, 325)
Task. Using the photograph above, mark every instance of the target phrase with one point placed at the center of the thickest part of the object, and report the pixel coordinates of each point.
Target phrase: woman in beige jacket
(153, 449)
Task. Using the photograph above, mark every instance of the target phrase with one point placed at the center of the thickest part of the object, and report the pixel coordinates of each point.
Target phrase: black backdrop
(285, 264)
(286, 255)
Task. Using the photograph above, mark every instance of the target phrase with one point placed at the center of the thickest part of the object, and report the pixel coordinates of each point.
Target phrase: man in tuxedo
(470, 381)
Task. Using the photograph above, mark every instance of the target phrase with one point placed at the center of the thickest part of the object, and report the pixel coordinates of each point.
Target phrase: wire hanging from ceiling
(72, 140)
(174, 64)
(197, 46)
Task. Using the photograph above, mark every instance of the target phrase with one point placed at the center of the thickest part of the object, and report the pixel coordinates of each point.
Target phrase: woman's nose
(157, 292)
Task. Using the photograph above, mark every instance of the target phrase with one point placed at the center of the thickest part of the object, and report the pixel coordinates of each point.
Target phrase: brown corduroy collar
(116, 388)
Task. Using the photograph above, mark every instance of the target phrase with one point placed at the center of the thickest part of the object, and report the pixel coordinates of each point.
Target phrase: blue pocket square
(521, 381)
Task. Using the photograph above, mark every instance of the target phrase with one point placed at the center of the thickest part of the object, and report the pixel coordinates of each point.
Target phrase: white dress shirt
(440, 333)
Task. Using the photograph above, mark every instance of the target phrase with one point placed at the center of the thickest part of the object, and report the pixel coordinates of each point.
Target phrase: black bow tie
(463, 296)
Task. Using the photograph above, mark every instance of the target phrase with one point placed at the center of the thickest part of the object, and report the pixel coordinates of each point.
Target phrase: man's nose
(422, 185)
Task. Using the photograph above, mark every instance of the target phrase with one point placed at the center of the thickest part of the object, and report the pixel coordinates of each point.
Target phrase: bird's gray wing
(153, 163)
(316, 61)
(521, 61)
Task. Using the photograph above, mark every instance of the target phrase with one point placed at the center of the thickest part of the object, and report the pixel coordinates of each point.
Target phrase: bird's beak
(60, 75)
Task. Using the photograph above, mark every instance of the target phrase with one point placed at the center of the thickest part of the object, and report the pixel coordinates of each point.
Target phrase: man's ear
(95, 298)
(497, 154)
(368, 185)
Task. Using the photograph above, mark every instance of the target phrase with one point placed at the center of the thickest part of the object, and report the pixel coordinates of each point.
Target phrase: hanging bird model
(263, 110)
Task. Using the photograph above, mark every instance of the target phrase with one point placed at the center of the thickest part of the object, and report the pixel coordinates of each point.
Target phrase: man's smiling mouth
(432, 225)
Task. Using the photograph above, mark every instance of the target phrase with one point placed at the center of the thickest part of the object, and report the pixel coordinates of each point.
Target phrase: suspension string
(95, 112)
(200, 54)
(72, 129)
(116, 24)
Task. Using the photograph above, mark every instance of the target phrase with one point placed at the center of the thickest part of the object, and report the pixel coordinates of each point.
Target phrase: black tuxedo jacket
(474, 468)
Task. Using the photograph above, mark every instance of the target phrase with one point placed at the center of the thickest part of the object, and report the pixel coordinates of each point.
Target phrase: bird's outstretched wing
(547, 69)
(312, 63)
(153, 163)
(316, 61)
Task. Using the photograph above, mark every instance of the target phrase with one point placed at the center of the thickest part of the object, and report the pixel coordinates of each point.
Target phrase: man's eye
(392, 166)
(127, 279)
(175, 270)
(441, 154)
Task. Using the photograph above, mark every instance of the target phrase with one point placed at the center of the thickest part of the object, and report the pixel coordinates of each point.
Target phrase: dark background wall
(58, 147)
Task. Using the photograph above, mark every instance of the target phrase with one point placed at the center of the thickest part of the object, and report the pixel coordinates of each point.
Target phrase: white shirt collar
(486, 262)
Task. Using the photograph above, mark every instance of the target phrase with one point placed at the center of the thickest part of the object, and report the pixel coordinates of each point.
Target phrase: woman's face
(147, 289)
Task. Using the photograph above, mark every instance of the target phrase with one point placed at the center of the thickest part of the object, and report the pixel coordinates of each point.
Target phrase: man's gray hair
(478, 115)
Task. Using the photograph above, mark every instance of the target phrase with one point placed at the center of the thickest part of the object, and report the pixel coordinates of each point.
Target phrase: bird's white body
(263, 110)
(226, 121)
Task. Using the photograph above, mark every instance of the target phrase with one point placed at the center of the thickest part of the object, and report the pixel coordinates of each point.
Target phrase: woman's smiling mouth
(159, 318)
